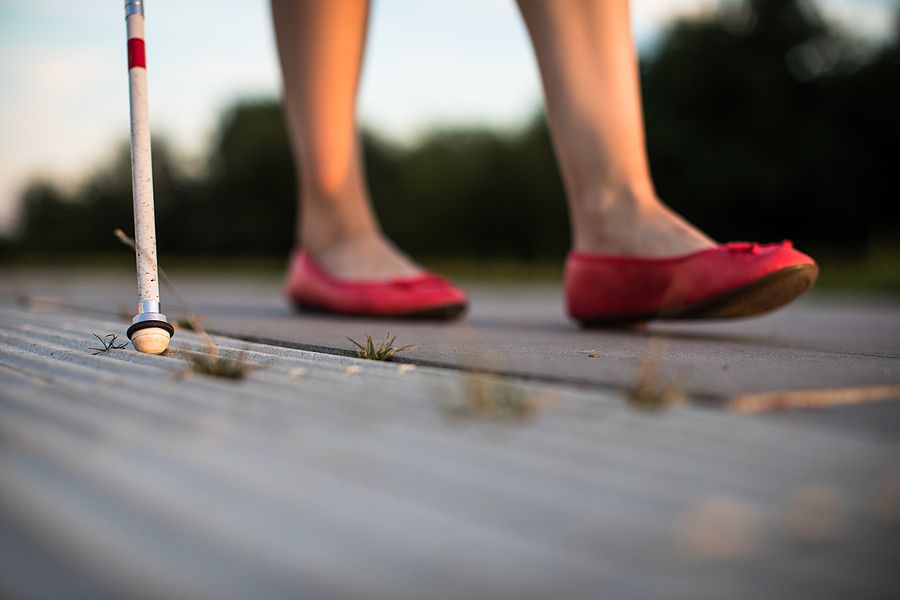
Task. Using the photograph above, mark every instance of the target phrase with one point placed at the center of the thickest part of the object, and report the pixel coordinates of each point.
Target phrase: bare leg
(321, 47)
(589, 68)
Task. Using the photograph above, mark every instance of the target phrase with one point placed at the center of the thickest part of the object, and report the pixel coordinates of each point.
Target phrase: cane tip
(150, 340)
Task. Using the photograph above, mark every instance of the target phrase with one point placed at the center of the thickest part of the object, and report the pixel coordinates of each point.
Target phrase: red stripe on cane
(136, 55)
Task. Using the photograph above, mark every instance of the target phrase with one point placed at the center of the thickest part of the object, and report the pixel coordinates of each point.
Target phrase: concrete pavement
(326, 476)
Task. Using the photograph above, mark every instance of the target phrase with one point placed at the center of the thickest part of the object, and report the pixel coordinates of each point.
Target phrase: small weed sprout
(108, 342)
(386, 351)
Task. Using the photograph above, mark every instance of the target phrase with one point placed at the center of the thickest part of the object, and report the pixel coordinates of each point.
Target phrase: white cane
(150, 331)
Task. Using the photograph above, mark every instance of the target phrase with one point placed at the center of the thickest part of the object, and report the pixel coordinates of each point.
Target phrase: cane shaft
(141, 164)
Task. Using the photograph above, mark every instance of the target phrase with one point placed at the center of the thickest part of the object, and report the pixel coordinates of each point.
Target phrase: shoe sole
(761, 296)
(448, 312)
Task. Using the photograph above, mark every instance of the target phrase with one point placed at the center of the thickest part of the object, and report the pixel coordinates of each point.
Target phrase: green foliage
(763, 121)
(248, 196)
(471, 193)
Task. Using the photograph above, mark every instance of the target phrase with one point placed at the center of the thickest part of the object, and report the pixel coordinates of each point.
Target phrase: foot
(363, 257)
(734, 280)
(637, 228)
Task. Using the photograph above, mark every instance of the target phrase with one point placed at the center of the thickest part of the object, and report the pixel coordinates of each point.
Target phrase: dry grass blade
(191, 320)
(212, 362)
(188, 324)
(385, 351)
(815, 398)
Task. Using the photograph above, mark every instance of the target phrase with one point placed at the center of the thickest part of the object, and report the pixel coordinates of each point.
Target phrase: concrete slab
(325, 476)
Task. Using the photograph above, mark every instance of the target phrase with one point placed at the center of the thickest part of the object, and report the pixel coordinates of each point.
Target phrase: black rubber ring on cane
(145, 324)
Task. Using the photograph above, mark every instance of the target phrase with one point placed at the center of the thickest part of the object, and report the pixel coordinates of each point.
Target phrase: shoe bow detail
(755, 247)
(422, 283)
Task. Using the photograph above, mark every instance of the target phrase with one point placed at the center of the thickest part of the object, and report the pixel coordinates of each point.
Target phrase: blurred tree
(763, 124)
(470, 193)
(48, 219)
(763, 121)
(83, 219)
(248, 200)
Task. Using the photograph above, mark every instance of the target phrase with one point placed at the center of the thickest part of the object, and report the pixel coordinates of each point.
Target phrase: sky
(64, 86)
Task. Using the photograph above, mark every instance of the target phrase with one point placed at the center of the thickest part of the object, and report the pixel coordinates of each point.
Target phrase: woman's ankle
(632, 222)
(365, 255)
(320, 238)
(602, 198)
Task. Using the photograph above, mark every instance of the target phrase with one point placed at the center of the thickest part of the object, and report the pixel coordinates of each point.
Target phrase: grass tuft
(216, 365)
(386, 351)
(491, 399)
(652, 392)
(109, 343)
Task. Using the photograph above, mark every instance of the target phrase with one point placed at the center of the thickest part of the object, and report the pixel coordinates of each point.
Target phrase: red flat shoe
(738, 279)
(424, 296)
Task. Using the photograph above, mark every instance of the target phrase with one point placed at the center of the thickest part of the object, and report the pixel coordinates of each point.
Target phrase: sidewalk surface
(507, 455)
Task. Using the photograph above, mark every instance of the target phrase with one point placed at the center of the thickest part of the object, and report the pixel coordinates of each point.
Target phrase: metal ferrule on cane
(149, 315)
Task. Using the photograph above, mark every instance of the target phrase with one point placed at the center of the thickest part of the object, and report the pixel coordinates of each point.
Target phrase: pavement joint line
(699, 399)
(23, 299)
(703, 399)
